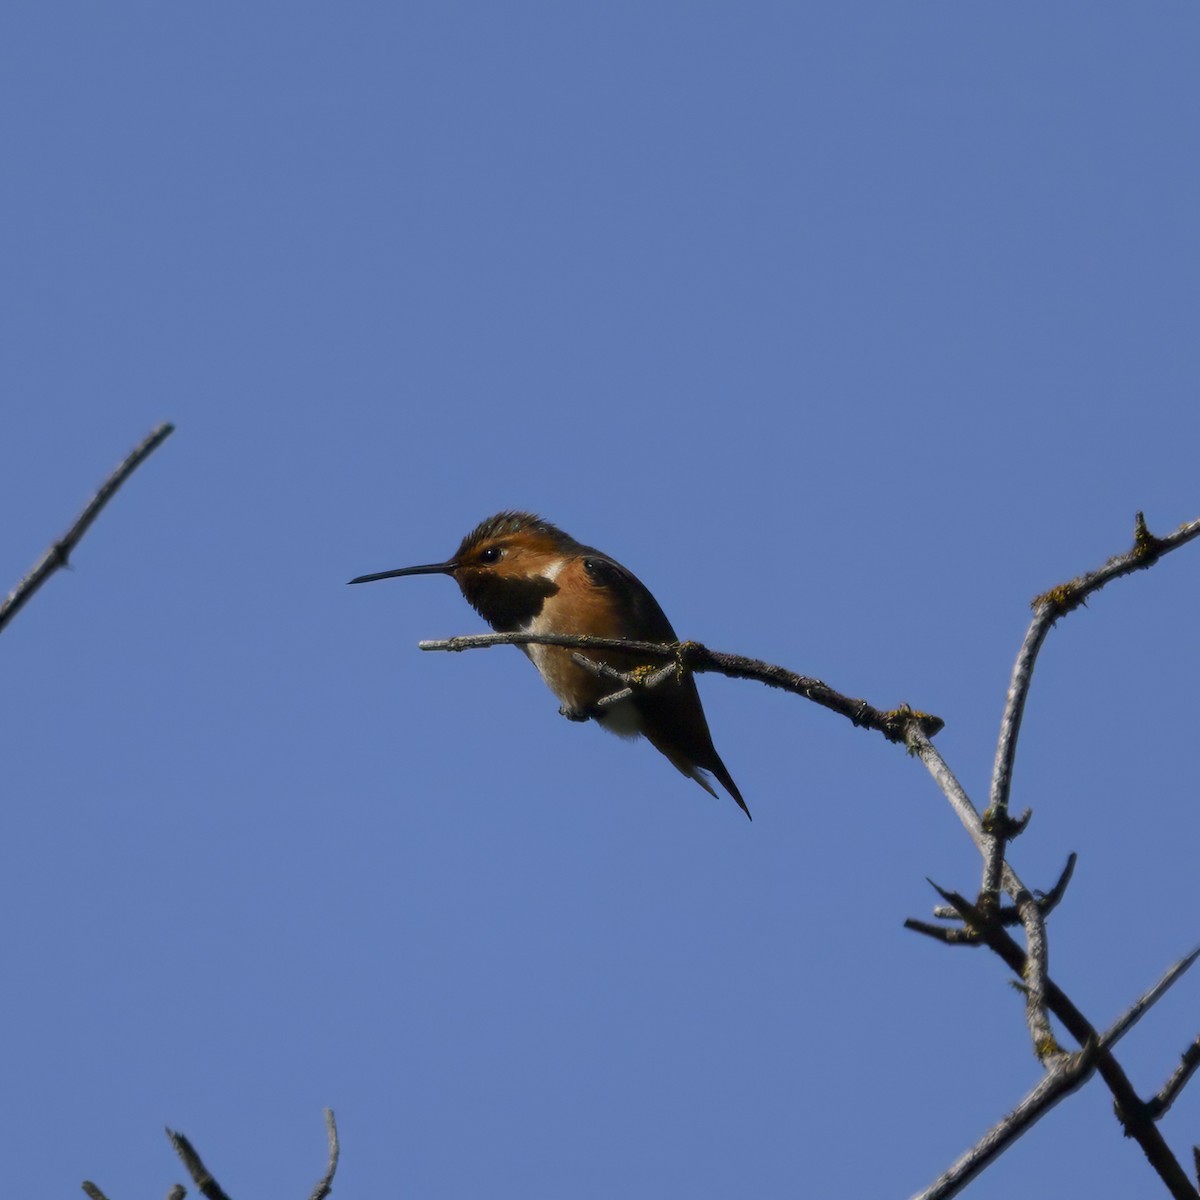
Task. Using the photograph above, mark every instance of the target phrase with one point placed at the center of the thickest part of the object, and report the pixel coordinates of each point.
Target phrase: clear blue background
(848, 327)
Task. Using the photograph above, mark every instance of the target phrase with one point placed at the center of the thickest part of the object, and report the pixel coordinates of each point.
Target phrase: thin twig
(1178, 1081)
(177, 1192)
(692, 656)
(92, 1190)
(1035, 967)
(1010, 727)
(325, 1184)
(1138, 1009)
(201, 1175)
(630, 681)
(1047, 608)
(59, 553)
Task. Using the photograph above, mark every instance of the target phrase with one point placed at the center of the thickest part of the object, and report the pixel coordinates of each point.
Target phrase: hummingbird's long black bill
(446, 568)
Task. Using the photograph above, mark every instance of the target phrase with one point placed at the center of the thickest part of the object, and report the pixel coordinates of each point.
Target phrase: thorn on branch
(1145, 545)
(201, 1176)
(1189, 1061)
(942, 933)
(1003, 826)
(1047, 902)
(975, 918)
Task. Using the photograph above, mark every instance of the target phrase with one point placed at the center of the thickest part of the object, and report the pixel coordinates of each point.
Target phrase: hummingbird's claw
(575, 714)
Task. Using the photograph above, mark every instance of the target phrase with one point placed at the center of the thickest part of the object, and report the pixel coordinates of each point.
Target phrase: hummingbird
(522, 574)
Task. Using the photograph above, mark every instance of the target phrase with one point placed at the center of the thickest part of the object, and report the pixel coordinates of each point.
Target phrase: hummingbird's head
(505, 567)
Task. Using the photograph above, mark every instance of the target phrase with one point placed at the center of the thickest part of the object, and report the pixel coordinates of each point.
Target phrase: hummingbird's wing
(645, 620)
(672, 717)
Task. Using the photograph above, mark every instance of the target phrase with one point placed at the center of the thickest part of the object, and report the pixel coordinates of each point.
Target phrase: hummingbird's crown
(512, 523)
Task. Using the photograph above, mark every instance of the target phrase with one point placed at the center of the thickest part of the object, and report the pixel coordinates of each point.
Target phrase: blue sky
(848, 327)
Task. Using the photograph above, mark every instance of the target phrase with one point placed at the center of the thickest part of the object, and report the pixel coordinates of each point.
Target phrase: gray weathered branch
(325, 1183)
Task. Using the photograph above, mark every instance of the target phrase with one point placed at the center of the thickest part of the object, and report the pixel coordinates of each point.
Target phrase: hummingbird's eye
(493, 554)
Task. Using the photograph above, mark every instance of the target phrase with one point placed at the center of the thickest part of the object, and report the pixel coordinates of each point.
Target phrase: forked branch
(1067, 1076)
(1047, 608)
(207, 1185)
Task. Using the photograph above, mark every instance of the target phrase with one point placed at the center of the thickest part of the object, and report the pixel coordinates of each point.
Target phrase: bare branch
(325, 1184)
(920, 745)
(692, 656)
(92, 1190)
(201, 1176)
(177, 1192)
(1047, 608)
(59, 553)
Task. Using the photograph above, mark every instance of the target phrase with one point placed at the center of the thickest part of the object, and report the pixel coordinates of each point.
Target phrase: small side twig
(1008, 914)
(59, 553)
(92, 1190)
(1170, 1090)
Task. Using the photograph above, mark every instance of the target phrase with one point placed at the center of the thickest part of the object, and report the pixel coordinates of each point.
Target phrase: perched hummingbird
(522, 574)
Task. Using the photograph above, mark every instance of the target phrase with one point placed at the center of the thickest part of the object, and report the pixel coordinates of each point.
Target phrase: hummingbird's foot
(577, 714)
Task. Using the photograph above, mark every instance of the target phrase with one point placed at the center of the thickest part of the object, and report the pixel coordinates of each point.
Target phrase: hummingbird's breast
(578, 607)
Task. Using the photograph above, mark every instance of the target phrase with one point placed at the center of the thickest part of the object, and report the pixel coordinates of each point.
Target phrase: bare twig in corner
(92, 1190)
(59, 553)
(201, 1176)
(1070, 1073)
(1054, 1086)
(325, 1185)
